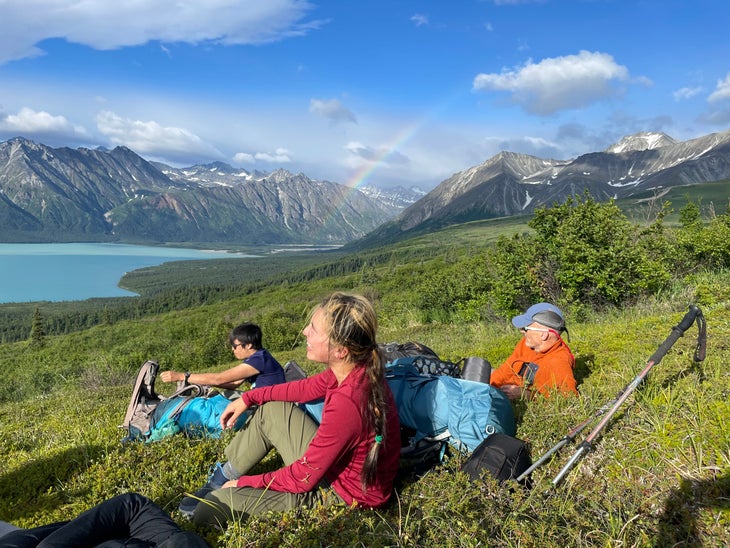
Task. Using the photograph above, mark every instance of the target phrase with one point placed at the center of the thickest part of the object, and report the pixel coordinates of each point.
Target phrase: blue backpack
(193, 410)
(195, 413)
(441, 407)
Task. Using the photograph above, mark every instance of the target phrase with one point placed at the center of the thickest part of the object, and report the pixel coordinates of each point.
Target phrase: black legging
(130, 520)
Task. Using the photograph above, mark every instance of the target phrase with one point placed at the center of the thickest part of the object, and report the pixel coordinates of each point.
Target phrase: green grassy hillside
(713, 198)
(659, 475)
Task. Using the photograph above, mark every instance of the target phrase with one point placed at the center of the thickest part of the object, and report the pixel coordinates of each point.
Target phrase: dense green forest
(658, 476)
(182, 284)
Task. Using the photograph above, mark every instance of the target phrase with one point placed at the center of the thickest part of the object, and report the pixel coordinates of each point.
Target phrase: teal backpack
(193, 409)
(442, 407)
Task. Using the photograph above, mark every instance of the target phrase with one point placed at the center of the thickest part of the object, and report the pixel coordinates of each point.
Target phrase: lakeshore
(78, 271)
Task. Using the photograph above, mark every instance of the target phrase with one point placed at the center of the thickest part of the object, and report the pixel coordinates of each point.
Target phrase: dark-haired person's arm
(229, 379)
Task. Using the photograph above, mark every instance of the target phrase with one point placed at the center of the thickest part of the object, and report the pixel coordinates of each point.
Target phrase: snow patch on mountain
(641, 141)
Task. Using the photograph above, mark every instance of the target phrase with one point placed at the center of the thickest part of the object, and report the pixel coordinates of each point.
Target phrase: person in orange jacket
(541, 362)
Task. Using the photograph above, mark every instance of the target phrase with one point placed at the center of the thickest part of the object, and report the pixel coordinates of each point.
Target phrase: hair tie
(378, 439)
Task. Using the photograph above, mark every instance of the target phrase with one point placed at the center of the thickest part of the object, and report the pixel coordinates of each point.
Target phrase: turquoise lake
(73, 272)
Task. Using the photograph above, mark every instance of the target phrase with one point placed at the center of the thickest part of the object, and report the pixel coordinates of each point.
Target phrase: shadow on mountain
(679, 525)
(33, 484)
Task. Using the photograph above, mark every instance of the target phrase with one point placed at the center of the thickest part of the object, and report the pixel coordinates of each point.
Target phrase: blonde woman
(350, 458)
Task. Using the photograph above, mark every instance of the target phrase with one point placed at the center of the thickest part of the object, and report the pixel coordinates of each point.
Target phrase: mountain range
(516, 184)
(62, 194)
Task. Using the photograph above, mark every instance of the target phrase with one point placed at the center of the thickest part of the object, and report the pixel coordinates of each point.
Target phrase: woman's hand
(231, 413)
(230, 483)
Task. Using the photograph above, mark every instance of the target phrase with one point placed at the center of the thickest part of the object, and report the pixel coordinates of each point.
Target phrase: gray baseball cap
(543, 313)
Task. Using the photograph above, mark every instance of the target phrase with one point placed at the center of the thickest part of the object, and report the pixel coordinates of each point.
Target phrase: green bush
(519, 274)
(707, 246)
(583, 254)
(281, 329)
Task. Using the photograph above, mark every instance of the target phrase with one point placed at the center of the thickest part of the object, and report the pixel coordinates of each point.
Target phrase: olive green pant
(275, 425)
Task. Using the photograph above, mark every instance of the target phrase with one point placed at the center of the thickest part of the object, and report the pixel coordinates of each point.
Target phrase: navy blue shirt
(270, 370)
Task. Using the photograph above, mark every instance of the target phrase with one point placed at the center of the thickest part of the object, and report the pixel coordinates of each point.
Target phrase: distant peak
(218, 166)
(280, 174)
(648, 140)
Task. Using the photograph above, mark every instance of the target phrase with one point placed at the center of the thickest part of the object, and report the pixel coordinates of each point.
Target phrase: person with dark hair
(350, 458)
(258, 366)
(129, 519)
(541, 362)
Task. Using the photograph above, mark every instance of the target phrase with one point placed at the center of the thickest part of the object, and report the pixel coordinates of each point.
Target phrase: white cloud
(151, 138)
(279, 156)
(30, 123)
(386, 155)
(720, 117)
(686, 93)
(331, 109)
(534, 146)
(243, 158)
(558, 83)
(642, 81)
(722, 91)
(718, 113)
(419, 20)
(104, 25)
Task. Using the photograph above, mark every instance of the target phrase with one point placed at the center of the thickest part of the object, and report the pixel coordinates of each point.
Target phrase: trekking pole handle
(677, 331)
(689, 318)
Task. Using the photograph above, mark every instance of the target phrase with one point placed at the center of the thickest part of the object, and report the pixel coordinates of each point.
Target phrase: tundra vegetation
(657, 476)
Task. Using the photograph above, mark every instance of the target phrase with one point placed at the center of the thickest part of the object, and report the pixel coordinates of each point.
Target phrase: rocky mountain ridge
(516, 184)
(62, 194)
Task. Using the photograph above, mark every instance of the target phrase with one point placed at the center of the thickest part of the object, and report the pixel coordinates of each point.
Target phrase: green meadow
(657, 475)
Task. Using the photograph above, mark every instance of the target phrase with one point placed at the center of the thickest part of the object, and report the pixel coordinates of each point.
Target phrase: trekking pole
(677, 331)
(569, 437)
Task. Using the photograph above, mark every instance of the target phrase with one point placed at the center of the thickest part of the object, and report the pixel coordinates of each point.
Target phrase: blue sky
(379, 91)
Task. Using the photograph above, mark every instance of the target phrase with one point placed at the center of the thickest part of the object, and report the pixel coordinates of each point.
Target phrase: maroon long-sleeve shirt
(338, 450)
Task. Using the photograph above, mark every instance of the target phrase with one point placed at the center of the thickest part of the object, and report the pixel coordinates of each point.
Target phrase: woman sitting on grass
(350, 458)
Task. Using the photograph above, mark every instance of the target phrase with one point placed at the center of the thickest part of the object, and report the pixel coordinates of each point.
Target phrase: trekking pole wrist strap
(187, 378)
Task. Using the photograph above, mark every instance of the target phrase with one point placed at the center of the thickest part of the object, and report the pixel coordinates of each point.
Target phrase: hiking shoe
(216, 479)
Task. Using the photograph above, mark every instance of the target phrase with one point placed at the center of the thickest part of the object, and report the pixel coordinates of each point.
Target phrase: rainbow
(361, 175)
(370, 166)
